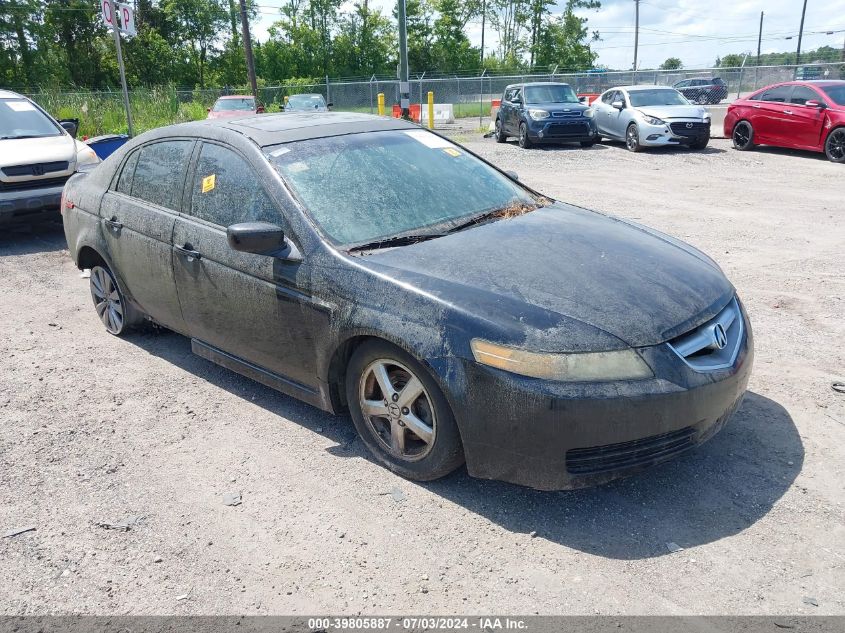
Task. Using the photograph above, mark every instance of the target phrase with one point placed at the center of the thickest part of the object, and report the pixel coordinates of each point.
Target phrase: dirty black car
(547, 112)
(364, 264)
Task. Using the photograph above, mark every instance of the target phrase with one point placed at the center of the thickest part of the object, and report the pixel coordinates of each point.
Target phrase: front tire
(632, 138)
(588, 143)
(500, 135)
(401, 414)
(743, 136)
(834, 146)
(524, 141)
(699, 145)
(117, 315)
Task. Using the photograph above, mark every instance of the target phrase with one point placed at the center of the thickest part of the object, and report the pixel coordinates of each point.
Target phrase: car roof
(235, 97)
(640, 87)
(536, 83)
(273, 129)
(8, 94)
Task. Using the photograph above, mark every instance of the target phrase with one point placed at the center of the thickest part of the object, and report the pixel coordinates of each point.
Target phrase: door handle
(787, 111)
(188, 251)
(113, 224)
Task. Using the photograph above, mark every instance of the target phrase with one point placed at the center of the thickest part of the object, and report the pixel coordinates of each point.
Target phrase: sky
(696, 31)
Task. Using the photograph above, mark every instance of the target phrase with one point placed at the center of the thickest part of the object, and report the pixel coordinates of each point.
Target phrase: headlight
(624, 364)
(706, 116)
(589, 113)
(653, 120)
(86, 156)
(538, 115)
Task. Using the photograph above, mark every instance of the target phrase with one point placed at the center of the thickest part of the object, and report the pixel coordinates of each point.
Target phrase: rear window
(234, 105)
(19, 118)
(160, 172)
(719, 82)
(778, 94)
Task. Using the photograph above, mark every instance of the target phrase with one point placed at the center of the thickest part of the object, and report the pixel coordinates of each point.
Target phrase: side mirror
(619, 105)
(329, 105)
(260, 110)
(261, 238)
(512, 175)
(582, 99)
(812, 103)
(71, 126)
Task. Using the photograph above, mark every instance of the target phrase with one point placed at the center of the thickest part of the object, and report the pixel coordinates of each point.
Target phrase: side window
(607, 97)
(779, 94)
(509, 94)
(159, 172)
(517, 94)
(682, 84)
(124, 182)
(225, 190)
(802, 94)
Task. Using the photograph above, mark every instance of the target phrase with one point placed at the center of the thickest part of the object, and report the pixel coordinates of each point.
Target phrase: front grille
(697, 129)
(570, 128)
(36, 169)
(27, 185)
(642, 452)
(715, 344)
(566, 115)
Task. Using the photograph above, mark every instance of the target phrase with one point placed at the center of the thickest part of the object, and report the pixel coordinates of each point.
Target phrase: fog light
(653, 137)
(540, 134)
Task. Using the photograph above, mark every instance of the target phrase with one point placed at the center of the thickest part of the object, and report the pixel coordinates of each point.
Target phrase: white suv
(37, 156)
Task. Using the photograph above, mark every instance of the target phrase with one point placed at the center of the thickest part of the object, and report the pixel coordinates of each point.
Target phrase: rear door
(249, 306)
(137, 217)
(771, 121)
(807, 122)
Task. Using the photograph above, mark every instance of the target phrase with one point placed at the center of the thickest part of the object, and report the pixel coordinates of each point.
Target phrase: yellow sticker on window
(451, 151)
(208, 183)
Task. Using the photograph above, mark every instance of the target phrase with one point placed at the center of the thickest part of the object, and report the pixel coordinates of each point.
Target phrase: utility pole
(250, 61)
(760, 38)
(800, 34)
(113, 9)
(636, 32)
(484, 17)
(404, 85)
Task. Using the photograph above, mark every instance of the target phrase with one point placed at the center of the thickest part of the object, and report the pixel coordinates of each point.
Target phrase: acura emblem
(689, 125)
(720, 338)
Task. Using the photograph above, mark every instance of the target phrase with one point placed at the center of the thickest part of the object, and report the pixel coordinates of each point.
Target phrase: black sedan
(364, 264)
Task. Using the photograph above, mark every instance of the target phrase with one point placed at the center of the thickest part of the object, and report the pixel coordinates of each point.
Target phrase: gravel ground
(97, 429)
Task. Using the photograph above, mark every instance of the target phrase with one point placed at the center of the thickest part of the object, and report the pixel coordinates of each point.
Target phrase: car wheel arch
(88, 257)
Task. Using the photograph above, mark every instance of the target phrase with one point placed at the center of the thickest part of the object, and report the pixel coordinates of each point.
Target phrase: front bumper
(555, 435)
(673, 132)
(30, 205)
(561, 130)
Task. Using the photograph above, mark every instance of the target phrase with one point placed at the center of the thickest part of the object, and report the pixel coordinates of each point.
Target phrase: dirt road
(97, 429)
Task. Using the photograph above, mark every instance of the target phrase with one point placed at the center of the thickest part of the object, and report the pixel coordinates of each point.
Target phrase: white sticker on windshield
(279, 152)
(295, 168)
(20, 106)
(428, 139)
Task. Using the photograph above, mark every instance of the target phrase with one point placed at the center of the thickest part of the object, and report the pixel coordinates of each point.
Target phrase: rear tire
(834, 146)
(743, 136)
(117, 314)
(500, 135)
(524, 141)
(401, 414)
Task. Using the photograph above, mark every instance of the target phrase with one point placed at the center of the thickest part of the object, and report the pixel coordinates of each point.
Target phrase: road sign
(123, 13)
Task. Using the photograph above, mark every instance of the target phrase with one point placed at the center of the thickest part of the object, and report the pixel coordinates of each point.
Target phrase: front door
(249, 306)
(807, 122)
(138, 217)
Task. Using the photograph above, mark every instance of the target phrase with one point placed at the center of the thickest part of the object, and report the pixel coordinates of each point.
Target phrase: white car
(651, 116)
(37, 156)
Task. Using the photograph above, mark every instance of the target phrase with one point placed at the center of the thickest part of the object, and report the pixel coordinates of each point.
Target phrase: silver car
(651, 116)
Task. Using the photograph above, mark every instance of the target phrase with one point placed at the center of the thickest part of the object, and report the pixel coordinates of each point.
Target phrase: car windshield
(656, 97)
(20, 119)
(302, 102)
(239, 105)
(550, 94)
(361, 188)
(835, 93)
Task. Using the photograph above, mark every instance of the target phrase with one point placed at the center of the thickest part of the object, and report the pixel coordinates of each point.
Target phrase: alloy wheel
(398, 409)
(742, 135)
(835, 146)
(107, 299)
(632, 138)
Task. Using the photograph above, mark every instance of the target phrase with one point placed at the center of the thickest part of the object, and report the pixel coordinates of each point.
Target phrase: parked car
(544, 113)
(651, 116)
(808, 115)
(364, 264)
(307, 103)
(232, 106)
(703, 90)
(37, 156)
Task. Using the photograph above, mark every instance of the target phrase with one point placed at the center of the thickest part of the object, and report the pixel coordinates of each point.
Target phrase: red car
(232, 106)
(807, 115)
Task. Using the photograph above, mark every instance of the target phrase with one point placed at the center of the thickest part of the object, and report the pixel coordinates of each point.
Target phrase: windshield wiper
(11, 138)
(389, 242)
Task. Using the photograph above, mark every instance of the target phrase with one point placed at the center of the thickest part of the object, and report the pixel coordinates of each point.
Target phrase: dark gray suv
(544, 113)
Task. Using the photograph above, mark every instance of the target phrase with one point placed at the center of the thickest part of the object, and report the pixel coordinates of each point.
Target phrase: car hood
(558, 107)
(635, 284)
(674, 111)
(48, 149)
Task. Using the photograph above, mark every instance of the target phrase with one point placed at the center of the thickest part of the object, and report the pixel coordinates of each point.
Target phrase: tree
(565, 40)
(673, 63)
(731, 61)
(199, 22)
(508, 18)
